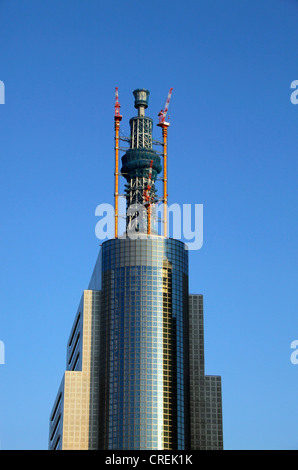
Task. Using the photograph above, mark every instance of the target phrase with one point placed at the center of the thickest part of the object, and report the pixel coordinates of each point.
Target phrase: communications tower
(135, 377)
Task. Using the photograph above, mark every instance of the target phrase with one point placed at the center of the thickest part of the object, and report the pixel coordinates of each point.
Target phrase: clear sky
(232, 147)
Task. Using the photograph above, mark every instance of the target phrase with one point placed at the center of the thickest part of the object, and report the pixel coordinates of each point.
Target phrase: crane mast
(164, 125)
(117, 119)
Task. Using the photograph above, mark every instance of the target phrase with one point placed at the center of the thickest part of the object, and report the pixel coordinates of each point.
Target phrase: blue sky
(232, 148)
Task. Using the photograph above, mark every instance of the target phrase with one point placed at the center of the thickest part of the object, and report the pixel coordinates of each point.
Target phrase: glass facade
(143, 376)
(74, 416)
(205, 390)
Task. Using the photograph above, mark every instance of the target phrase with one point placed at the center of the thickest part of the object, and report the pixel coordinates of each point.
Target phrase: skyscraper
(135, 377)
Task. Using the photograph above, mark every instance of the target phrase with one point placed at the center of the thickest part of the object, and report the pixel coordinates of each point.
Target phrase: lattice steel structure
(140, 166)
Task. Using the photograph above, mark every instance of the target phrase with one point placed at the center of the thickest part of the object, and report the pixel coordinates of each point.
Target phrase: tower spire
(140, 166)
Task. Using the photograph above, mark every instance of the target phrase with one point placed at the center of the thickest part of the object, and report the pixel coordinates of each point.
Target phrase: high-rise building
(135, 376)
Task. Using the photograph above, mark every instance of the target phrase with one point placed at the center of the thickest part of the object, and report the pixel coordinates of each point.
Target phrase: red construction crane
(146, 192)
(117, 104)
(117, 119)
(162, 114)
(164, 125)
